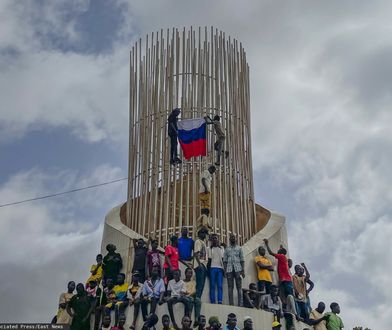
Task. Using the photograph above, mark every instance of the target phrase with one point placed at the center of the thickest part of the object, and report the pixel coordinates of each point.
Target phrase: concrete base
(117, 233)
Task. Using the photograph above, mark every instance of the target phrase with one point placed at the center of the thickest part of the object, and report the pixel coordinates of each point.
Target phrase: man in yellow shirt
(317, 317)
(96, 271)
(190, 295)
(264, 267)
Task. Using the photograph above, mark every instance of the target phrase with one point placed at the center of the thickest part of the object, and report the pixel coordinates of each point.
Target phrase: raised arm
(314, 322)
(307, 274)
(208, 120)
(311, 285)
(268, 248)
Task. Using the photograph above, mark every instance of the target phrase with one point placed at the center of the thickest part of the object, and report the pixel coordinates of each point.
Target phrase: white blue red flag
(192, 134)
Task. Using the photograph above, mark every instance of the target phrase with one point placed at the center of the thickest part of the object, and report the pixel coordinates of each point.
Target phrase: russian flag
(192, 137)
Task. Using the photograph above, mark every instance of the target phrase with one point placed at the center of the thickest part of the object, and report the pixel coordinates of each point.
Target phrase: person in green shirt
(334, 322)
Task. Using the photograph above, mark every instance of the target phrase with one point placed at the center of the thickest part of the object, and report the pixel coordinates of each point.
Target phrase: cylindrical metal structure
(204, 73)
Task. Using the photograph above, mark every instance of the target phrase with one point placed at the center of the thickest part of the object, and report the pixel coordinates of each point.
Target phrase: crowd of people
(157, 279)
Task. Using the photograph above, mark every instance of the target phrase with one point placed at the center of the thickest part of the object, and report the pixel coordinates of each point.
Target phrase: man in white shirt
(152, 293)
(215, 262)
(205, 188)
(200, 261)
(176, 292)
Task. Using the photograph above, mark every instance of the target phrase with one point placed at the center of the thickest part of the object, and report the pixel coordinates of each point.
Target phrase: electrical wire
(63, 192)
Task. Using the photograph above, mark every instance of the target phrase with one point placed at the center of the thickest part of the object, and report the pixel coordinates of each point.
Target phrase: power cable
(63, 193)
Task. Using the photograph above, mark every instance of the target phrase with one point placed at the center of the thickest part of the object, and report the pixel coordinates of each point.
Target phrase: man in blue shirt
(231, 323)
(185, 245)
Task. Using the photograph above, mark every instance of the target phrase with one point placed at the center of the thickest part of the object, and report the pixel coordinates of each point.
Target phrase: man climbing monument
(172, 131)
(220, 135)
(205, 188)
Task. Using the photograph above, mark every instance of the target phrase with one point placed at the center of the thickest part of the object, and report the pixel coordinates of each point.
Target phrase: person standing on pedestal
(215, 261)
(234, 262)
(200, 258)
(185, 245)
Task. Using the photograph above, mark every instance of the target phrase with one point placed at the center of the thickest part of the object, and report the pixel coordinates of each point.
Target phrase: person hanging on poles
(220, 135)
(172, 131)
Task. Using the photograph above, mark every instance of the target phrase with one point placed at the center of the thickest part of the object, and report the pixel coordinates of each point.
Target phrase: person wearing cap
(233, 262)
(248, 323)
(172, 131)
(200, 262)
(276, 325)
(231, 323)
(112, 263)
(171, 258)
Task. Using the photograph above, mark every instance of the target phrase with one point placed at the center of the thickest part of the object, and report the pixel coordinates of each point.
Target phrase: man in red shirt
(171, 258)
(283, 269)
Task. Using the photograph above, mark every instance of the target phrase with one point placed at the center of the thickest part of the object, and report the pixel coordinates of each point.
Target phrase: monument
(204, 73)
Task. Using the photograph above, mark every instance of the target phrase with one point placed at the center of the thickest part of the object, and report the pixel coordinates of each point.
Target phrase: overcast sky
(321, 82)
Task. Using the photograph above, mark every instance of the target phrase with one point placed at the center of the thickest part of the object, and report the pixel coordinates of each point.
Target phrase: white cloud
(49, 242)
(320, 96)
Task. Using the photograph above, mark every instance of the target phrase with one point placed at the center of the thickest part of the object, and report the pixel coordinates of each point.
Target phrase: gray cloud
(320, 90)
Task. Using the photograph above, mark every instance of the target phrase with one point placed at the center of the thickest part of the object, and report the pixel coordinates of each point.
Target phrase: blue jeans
(301, 309)
(201, 274)
(216, 279)
(287, 287)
